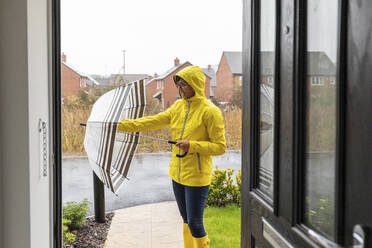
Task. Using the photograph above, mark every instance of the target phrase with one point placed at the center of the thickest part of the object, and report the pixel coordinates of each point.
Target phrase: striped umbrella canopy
(109, 151)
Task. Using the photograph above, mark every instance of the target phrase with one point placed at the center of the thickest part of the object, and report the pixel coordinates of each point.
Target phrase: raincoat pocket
(200, 169)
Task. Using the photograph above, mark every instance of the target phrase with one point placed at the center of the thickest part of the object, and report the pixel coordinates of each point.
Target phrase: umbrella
(110, 152)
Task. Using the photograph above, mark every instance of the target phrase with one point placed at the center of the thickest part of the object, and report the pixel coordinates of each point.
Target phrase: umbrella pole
(99, 199)
(148, 137)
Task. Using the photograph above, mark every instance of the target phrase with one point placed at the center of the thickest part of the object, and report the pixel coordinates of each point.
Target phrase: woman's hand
(184, 145)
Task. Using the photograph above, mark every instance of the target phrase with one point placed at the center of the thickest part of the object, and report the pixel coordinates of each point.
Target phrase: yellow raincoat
(195, 119)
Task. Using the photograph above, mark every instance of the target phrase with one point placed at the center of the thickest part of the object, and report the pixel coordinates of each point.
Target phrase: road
(149, 181)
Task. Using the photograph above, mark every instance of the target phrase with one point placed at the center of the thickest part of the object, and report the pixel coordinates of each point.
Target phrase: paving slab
(157, 225)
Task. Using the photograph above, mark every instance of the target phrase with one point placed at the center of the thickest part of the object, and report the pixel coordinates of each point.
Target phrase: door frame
(57, 122)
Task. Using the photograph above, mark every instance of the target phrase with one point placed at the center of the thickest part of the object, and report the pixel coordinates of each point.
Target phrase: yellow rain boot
(187, 237)
(201, 242)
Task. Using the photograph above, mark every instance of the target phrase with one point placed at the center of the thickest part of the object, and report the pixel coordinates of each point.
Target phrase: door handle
(359, 236)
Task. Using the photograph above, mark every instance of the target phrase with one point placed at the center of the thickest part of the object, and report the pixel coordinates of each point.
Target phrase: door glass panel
(256, 245)
(320, 125)
(267, 83)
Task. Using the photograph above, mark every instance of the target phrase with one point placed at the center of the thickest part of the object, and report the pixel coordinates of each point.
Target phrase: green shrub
(76, 213)
(222, 190)
(236, 195)
(68, 237)
(320, 214)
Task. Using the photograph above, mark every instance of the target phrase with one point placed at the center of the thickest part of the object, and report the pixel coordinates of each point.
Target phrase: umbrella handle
(181, 156)
(178, 155)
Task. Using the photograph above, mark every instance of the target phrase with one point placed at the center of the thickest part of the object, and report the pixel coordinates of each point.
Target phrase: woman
(197, 126)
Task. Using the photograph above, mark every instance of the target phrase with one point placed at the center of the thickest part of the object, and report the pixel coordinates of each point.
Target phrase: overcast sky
(153, 33)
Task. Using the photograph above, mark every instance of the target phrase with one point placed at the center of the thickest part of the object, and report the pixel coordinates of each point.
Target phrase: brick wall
(70, 81)
(325, 81)
(151, 88)
(225, 82)
(170, 91)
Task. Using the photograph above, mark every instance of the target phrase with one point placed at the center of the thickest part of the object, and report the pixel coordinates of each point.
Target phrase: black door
(307, 123)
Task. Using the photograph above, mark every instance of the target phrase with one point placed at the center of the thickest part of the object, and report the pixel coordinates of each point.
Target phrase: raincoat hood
(195, 77)
(196, 120)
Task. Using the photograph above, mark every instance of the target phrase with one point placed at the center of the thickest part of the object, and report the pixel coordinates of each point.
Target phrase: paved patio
(156, 225)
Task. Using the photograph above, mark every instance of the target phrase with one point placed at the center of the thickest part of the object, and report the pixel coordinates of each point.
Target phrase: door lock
(43, 147)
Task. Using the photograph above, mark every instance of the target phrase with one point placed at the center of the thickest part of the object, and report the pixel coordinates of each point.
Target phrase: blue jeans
(191, 203)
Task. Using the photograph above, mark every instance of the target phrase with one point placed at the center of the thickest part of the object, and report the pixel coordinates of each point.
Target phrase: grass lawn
(223, 226)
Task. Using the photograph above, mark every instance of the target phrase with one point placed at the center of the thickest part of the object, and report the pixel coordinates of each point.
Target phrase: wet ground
(149, 181)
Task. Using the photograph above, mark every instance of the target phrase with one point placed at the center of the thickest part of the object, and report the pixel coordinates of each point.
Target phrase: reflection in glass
(267, 82)
(256, 245)
(321, 116)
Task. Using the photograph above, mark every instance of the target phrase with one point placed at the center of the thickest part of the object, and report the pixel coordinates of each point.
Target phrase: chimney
(64, 57)
(176, 62)
(209, 67)
(155, 75)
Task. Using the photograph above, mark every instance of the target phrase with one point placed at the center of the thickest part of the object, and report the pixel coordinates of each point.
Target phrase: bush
(238, 179)
(76, 213)
(320, 214)
(76, 109)
(222, 190)
(68, 237)
(232, 119)
(236, 99)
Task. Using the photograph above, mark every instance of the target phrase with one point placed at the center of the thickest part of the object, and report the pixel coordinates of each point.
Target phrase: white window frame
(332, 80)
(317, 81)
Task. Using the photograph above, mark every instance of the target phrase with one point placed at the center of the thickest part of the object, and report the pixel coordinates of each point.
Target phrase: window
(267, 43)
(332, 80)
(159, 84)
(320, 120)
(317, 81)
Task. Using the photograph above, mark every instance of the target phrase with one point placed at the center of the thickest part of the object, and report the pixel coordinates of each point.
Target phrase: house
(30, 131)
(211, 73)
(119, 79)
(321, 70)
(267, 60)
(72, 80)
(162, 87)
(101, 79)
(228, 75)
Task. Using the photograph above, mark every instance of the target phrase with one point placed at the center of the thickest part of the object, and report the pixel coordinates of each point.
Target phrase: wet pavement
(149, 181)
